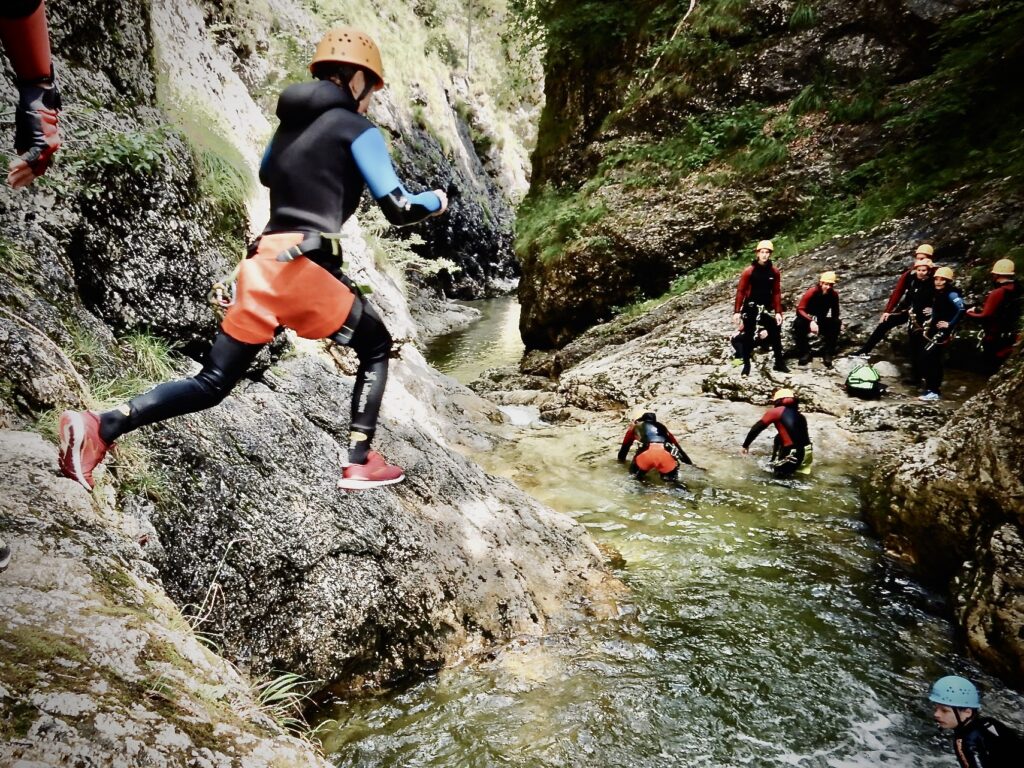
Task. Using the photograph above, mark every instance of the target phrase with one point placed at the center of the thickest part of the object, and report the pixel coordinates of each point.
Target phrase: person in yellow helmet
(1000, 316)
(912, 290)
(759, 303)
(817, 314)
(792, 447)
(322, 157)
(947, 312)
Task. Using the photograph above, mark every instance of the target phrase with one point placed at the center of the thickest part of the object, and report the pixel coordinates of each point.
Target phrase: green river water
(764, 628)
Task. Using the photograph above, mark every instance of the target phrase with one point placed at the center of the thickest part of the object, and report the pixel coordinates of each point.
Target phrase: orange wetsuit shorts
(298, 294)
(655, 457)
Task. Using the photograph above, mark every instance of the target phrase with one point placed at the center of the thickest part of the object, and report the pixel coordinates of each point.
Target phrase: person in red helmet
(319, 161)
(26, 40)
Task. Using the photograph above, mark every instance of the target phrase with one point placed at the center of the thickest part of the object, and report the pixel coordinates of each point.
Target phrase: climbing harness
(941, 338)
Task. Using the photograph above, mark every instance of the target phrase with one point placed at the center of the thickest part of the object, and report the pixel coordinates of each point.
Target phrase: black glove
(36, 137)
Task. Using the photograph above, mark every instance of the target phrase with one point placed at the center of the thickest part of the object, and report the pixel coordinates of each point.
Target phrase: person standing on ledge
(947, 311)
(759, 303)
(322, 156)
(1000, 316)
(892, 315)
(26, 39)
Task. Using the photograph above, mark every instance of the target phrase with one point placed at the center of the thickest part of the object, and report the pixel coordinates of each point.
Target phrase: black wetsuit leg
(372, 344)
(898, 318)
(801, 329)
(767, 321)
(226, 364)
(749, 318)
(932, 368)
(917, 342)
(828, 329)
(788, 461)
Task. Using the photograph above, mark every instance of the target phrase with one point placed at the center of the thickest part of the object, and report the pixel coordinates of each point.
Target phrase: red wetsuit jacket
(760, 284)
(790, 423)
(1002, 309)
(815, 304)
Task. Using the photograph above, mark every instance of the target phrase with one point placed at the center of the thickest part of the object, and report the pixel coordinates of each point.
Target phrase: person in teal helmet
(978, 742)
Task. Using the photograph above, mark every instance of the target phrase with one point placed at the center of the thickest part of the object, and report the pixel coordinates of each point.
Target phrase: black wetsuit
(984, 742)
(914, 309)
(316, 179)
(947, 306)
(823, 308)
(758, 300)
(791, 440)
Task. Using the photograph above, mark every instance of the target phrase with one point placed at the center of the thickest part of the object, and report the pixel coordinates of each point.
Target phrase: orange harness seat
(297, 294)
(655, 457)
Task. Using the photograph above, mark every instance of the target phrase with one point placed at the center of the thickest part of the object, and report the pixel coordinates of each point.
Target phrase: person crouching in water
(320, 159)
(947, 311)
(792, 448)
(818, 315)
(978, 742)
(653, 437)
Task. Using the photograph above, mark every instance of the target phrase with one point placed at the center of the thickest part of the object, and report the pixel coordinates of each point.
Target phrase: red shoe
(81, 447)
(375, 472)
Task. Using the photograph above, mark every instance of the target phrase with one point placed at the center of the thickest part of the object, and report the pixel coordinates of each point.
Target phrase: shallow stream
(764, 628)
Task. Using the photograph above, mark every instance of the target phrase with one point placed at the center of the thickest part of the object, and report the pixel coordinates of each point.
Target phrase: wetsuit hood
(303, 102)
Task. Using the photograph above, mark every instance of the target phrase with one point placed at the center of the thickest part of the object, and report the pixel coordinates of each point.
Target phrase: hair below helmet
(945, 272)
(1003, 267)
(955, 691)
(348, 45)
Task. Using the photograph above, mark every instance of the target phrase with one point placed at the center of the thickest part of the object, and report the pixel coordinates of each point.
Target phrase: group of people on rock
(757, 312)
(925, 299)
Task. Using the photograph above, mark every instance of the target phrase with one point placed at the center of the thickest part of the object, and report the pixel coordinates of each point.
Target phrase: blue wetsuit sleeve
(960, 308)
(263, 162)
(374, 162)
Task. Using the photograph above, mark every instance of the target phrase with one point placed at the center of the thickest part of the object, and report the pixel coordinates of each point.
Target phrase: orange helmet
(348, 45)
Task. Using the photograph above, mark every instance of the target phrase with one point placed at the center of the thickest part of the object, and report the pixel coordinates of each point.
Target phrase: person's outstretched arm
(25, 36)
(399, 206)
